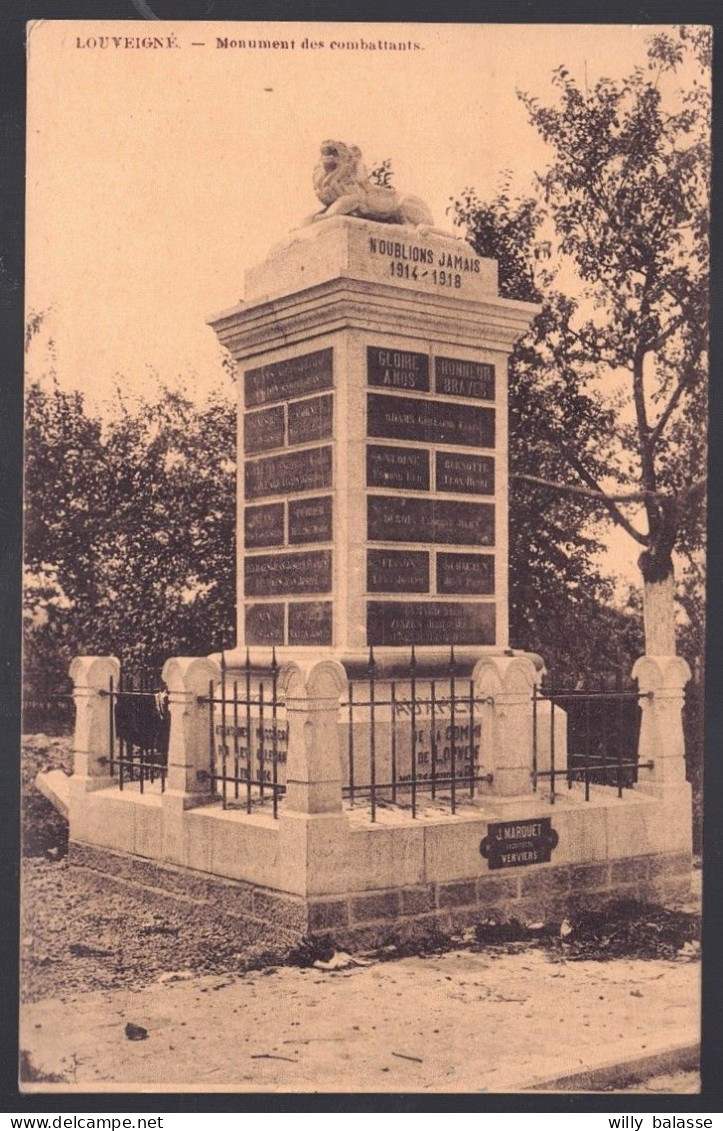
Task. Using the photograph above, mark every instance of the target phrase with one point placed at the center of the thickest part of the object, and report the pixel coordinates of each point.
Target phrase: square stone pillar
(507, 684)
(188, 784)
(92, 678)
(662, 680)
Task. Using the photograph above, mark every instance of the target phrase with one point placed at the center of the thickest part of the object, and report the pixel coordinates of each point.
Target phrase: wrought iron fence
(247, 736)
(138, 732)
(602, 734)
(412, 736)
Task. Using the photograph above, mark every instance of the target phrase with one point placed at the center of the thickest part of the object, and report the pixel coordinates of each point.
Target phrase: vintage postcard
(364, 557)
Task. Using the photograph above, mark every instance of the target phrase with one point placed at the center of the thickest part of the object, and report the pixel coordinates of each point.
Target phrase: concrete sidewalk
(459, 1022)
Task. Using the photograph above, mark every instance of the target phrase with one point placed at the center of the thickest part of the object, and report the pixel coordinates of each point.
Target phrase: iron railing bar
(262, 744)
(433, 735)
(274, 735)
(224, 745)
(393, 700)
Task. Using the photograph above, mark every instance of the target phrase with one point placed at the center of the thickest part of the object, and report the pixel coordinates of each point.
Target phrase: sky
(157, 176)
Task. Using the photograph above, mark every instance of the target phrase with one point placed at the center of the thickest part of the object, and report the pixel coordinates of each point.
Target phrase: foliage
(130, 528)
(560, 605)
(609, 387)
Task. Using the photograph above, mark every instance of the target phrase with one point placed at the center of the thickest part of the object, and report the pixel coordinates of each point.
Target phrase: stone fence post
(507, 682)
(189, 757)
(662, 679)
(313, 763)
(91, 677)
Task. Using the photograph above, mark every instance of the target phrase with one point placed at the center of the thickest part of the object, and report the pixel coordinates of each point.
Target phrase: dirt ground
(460, 1021)
(125, 990)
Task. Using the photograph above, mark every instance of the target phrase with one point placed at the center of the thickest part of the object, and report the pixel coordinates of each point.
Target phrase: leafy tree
(614, 369)
(130, 530)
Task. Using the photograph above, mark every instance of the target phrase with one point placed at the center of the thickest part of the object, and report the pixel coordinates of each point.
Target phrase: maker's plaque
(433, 422)
(310, 622)
(308, 470)
(466, 475)
(512, 844)
(269, 575)
(264, 526)
(264, 430)
(457, 378)
(264, 624)
(310, 520)
(397, 571)
(403, 468)
(471, 574)
(397, 369)
(392, 519)
(311, 419)
(290, 378)
(430, 622)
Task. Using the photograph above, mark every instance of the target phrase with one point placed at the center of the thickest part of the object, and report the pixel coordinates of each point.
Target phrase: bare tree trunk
(659, 616)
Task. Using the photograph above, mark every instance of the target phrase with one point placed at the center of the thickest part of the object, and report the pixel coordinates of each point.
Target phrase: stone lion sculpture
(342, 184)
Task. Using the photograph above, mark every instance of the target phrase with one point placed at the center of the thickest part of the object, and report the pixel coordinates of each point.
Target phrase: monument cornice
(345, 303)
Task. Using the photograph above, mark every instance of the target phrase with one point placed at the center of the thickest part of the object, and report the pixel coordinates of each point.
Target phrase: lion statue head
(338, 171)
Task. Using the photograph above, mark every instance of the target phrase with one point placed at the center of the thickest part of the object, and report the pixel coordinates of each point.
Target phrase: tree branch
(588, 492)
(665, 415)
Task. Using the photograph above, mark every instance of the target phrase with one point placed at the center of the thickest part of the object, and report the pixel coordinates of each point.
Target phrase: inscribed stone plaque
(310, 622)
(397, 571)
(293, 471)
(268, 575)
(397, 369)
(406, 468)
(512, 844)
(291, 378)
(471, 475)
(472, 574)
(264, 526)
(264, 430)
(391, 519)
(310, 420)
(310, 520)
(264, 624)
(433, 422)
(457, 378)
(430, 622)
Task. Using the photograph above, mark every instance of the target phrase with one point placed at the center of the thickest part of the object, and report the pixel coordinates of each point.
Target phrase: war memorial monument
(374, 756)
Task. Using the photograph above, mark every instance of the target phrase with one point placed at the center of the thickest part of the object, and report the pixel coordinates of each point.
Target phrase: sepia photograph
(365, 447)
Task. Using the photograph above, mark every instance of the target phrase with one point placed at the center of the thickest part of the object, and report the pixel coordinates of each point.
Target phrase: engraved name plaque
(397, 369)
(293, 471)
(405, 468)
(513, 844)
(310, 520)
(405, 418)
(472, 574)
(469, 475)
(430, 622)
(310, 420)
(264, 430)
(457, 378)
(391, 519)
(264, 526)
(397, 571)
(268, 575)
(290, 378)
(310, 622)
(264, 624)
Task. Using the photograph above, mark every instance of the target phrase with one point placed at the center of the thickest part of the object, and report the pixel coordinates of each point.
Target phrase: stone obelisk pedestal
(372, 489)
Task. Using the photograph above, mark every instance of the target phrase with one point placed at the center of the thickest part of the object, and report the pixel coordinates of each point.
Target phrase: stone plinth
(372, 487)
